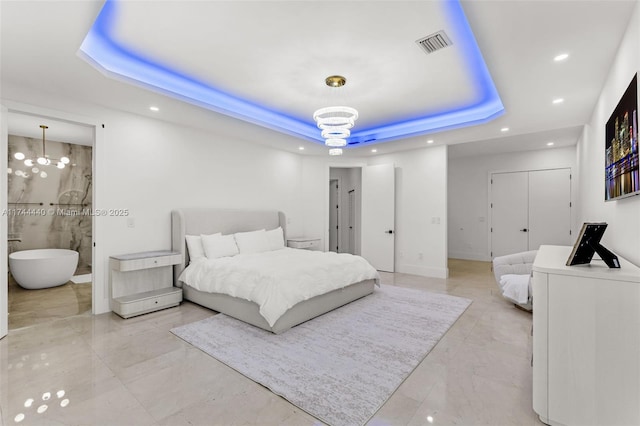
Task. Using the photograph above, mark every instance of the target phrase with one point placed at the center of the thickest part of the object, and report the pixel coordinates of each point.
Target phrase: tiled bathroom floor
(30, 307)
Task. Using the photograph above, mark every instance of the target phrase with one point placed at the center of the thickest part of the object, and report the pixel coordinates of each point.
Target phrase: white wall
(623, 216)
(421, 195)
(469, 194)
(421, 210)
(151, 167)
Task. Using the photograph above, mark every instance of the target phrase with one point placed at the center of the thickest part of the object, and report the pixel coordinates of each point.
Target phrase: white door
(333, 215)
(378, 216)
(549, 208)
(352, 222)
(509, 213)
(4, 289)
(529, 209)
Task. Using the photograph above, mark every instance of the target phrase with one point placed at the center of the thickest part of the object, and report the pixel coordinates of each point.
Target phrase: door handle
(524, 230)
(388, 232)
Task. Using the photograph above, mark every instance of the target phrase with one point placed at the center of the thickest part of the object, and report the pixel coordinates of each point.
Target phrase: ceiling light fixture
(561, 57)
(430, 141)
(43, 160)
(107, 50)
(301, 148)
(335, 122)
(504, 129)
(558, 101)
(154, 108)
(374, 150)
(550, 144)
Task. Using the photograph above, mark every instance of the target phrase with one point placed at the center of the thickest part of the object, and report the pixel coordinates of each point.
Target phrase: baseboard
(469, 256)
(423, 271)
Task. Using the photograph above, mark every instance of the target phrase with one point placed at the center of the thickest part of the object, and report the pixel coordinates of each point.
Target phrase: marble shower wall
(51, 212)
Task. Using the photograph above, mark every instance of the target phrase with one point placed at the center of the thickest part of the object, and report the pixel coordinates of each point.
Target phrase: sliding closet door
(549, 208)
(509, 213)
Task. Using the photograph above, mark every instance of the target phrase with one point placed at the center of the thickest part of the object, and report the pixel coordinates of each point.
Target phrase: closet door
(549, 208)
(509, 213)
(528, 209)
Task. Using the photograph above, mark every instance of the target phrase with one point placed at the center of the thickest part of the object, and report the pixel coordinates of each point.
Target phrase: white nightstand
(304, 243)
(143, 282)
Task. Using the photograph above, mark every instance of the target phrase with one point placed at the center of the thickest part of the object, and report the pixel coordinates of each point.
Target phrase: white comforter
(279, 279)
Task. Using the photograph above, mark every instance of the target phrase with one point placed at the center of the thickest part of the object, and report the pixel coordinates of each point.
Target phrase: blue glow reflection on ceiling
(101, 49)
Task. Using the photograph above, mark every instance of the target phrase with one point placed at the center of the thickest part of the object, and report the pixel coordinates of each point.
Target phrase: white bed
(227, 221)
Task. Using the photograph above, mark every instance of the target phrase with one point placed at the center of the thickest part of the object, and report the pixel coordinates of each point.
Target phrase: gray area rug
(340, 367)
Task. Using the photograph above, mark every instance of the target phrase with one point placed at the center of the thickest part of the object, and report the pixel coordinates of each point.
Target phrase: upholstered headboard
(197, 221)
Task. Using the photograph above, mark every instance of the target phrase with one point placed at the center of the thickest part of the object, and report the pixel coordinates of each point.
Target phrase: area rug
(340, 367)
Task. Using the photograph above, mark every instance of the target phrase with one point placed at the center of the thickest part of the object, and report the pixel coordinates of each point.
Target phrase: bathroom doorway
(49, 206)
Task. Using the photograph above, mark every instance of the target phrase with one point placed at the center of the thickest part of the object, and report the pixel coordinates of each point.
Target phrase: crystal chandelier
(335, 122)
(43, 160)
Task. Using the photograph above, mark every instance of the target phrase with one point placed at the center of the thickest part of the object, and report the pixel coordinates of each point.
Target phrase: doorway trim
(99, 294)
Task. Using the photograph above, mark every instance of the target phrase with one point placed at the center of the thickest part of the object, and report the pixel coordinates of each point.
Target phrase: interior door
(334, 209)
(4, 289)
(378, 216)
(509, 213)
(352, 222)
(549, 208)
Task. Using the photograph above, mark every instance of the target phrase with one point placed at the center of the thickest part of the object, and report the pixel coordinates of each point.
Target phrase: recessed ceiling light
(154, 108)
(561, 57)
(504, 129)
(558, 100)
(374, 150)
(550, 144)
(430, 141)
(301, 148)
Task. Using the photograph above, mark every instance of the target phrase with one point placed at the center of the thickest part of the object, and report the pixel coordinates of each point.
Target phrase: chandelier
(335, 122)
(43, 160)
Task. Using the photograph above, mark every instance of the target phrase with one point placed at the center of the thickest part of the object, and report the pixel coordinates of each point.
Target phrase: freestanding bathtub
(42, 268)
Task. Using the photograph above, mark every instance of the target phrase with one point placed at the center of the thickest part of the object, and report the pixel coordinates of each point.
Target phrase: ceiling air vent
(435, 41)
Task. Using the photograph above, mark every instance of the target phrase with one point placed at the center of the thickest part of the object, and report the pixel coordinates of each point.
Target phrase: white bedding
(277, 280)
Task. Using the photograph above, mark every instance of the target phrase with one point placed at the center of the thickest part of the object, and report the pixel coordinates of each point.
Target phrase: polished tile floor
(30, 307)
(104, 370)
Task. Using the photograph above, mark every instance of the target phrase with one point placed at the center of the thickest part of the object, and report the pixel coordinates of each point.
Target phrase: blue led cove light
(116, 60)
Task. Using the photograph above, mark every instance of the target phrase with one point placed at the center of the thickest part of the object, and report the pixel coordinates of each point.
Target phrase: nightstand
(143, 282)
(304, 243)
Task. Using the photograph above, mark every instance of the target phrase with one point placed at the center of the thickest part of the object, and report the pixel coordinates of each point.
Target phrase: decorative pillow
(217, 245)
(275, 238)
(252, 242)
(194, 245)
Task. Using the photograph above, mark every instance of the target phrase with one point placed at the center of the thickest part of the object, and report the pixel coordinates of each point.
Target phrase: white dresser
(586, 341)
(143, 282)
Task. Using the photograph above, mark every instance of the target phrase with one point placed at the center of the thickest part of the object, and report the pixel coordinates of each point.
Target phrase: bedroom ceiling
(277, 54)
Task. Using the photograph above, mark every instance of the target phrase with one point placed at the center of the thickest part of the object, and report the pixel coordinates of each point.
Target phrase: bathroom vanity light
(43, 160)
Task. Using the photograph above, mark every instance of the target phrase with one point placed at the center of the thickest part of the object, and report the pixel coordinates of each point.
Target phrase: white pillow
(275, 238)
(218, 245)
(252, 242)
(194, 245)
